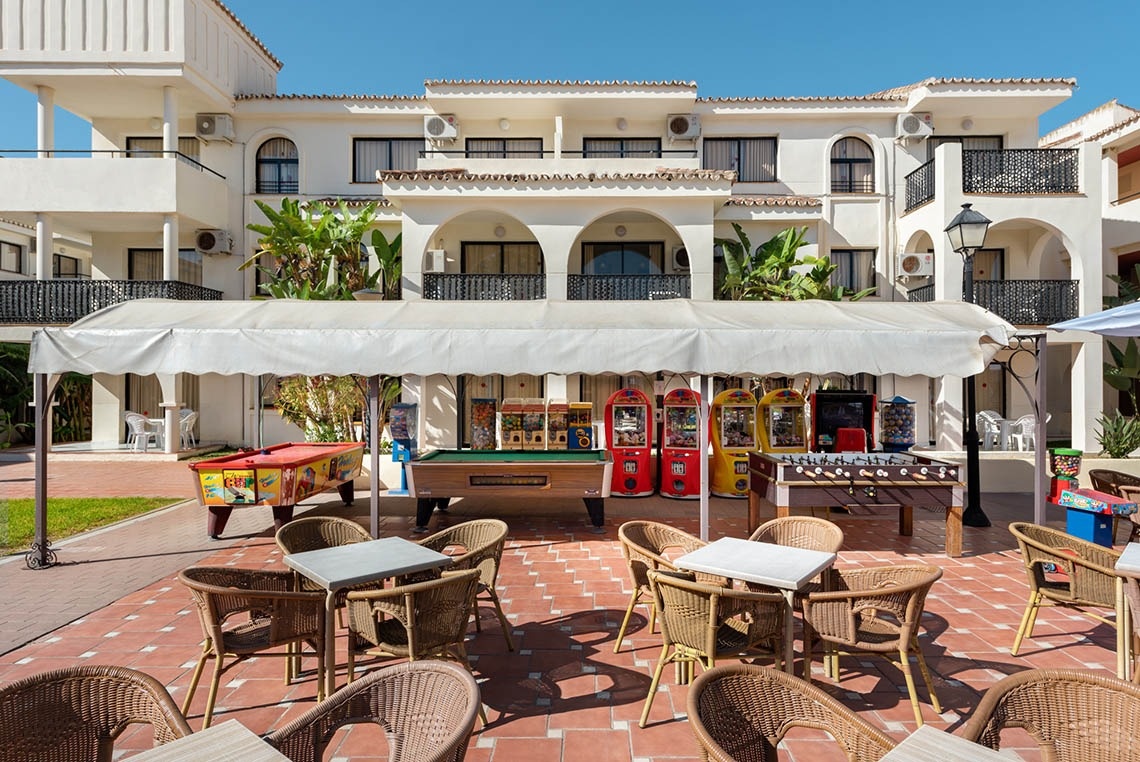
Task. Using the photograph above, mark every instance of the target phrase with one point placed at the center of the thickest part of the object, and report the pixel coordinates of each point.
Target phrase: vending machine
(557, 424)
(580, 419)
(402, 427)
(782, 426)
(483, 434)
(511, 423)
(832, 410)
(733, 422)
(682, 449)
(534, 423)
(629, 414)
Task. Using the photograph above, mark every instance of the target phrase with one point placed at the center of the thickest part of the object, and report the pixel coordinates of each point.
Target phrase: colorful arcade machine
(733, 422)
(630, 439)
(402, 427)
(782, 427)
(681, 449)
(580, 419)
(832, 410)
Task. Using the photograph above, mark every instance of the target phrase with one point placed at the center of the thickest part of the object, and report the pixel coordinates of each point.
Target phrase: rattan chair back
(76, 713)
(427, 710)
(742, 711)
(806, 532)
(319, 532)
(1074, 715)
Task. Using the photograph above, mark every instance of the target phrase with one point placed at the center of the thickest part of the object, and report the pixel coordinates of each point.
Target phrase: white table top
(1129, 561)
(927, 743)
(764, 563)
(228, 742)
(347, 565)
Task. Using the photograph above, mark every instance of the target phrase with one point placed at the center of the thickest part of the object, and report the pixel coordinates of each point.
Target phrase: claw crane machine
(629, 415)
(681, 448)
(782, 426)
(733, 432)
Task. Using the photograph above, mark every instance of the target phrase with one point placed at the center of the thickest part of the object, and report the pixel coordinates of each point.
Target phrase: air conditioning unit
(683, 126)
(441, 127)
(436, 261)
(213, 242)
(914, 264)
(680, 259)
(214, 127)
(918, 125)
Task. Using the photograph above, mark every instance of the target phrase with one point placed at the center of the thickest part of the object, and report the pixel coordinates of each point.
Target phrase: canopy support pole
(1039, 491)
(706, 392)
(41, 556)
(374, 455)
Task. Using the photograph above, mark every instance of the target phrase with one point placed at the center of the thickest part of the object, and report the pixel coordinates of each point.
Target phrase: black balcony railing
(920, 186)
(484, 286)
(522, 153)
(130, 153)
(1021, 170)
(628, 287)
(62, 301)
(1021, 302)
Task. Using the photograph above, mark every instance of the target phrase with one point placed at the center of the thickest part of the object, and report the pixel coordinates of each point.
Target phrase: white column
(43, 246)
(170, 247)
(169, 119)
(45, 120)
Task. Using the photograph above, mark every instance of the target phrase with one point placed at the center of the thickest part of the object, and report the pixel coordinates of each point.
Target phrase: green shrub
(1119, 435)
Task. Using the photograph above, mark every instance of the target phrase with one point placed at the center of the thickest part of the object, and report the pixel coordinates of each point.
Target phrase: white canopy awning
(1118, 321)
(286, 337)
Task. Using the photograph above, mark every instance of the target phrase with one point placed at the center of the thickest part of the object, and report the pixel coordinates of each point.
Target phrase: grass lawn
(68, 516)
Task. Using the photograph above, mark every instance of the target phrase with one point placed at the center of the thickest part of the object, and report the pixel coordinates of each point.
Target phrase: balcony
(628, 287)
(567, 162)
(63, 301)
(484, 287)
(1017, 171)
(1021, 302)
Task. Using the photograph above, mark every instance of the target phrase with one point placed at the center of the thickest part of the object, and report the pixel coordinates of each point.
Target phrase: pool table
(279, 476)
(439, 475)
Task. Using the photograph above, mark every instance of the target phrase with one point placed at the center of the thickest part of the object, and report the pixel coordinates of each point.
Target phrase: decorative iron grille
(920, 186)
(628, 287)
(62, 301)
(1021, 170)
(921, 294)
(484, 287)
(1029, 302)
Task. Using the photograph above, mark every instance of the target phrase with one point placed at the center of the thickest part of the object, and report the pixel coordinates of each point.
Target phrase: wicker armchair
(874, 610)
(742, 711)
(701, 623)
(1088, 580)
(1122, 485)
(426, 708)
(481, 542)
(75, 714)
(1075, 716)
(644, 544)
(275, 614)
(807, 532)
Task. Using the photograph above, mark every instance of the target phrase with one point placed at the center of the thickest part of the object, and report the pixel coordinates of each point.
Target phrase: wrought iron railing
(920, 186)
(628, 287)
(65, 300)
(921, 294)
(1021, 302)
(523, 153)
(1021, 170)
(484, 286)
(852, 185)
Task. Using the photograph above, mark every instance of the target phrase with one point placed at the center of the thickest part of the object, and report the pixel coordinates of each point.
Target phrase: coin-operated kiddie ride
(630, 439)
(782, 426)
(682, 447)
(733, 422)
(402, 424)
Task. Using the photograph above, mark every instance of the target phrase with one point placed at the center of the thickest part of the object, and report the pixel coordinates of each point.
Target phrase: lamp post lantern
(967, 233)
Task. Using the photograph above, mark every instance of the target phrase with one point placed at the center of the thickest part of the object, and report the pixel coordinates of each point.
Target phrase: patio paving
(564, 694)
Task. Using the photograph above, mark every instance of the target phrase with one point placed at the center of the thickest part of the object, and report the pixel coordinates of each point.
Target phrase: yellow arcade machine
(733, 421)
(782, 426)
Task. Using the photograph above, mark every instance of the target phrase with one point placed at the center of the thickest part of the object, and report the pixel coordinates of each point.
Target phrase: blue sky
(729, 48)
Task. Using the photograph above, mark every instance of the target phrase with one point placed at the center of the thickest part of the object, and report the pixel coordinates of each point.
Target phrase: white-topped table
(228, 742)
(927, 744)
(1127, 606)
(784, 568)
(343, 566)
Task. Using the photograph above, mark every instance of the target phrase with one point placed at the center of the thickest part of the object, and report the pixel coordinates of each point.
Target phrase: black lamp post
(967, 233)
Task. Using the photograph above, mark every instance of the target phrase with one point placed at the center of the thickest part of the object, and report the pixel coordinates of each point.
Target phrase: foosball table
(871, 480)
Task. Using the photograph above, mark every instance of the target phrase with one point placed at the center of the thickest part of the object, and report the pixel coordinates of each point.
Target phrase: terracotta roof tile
(251, 35)
(905, 90)
(1118, 126)
(559, 83)
(462, 175)
(801, 201)
(354, 201)
(328, 97)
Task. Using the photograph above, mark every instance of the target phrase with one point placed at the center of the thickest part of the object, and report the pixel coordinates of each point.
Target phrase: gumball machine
(681, 451)
(896, 424)
(1066, 467)
(630, 439)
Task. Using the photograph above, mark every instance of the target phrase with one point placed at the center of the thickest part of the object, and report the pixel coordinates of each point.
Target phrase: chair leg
(633, 599)
(1028, 620)
(653, 685)
(215, 682)
(195, 678)
(904, 664)
(494, 597)
(926, 678)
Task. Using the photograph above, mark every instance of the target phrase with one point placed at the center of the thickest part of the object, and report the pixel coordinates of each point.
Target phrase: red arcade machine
(832, 410)
(681, 451)
(630, 439)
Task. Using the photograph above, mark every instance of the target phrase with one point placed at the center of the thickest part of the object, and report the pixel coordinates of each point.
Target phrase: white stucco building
(544, 190)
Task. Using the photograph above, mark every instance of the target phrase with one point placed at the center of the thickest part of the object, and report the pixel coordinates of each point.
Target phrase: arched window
(277, 167)
(852, 167)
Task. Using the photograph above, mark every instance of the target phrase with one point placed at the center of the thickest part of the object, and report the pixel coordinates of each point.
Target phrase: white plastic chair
(1023, 434)
(139, 432)
(989, 429)
(186, 429)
